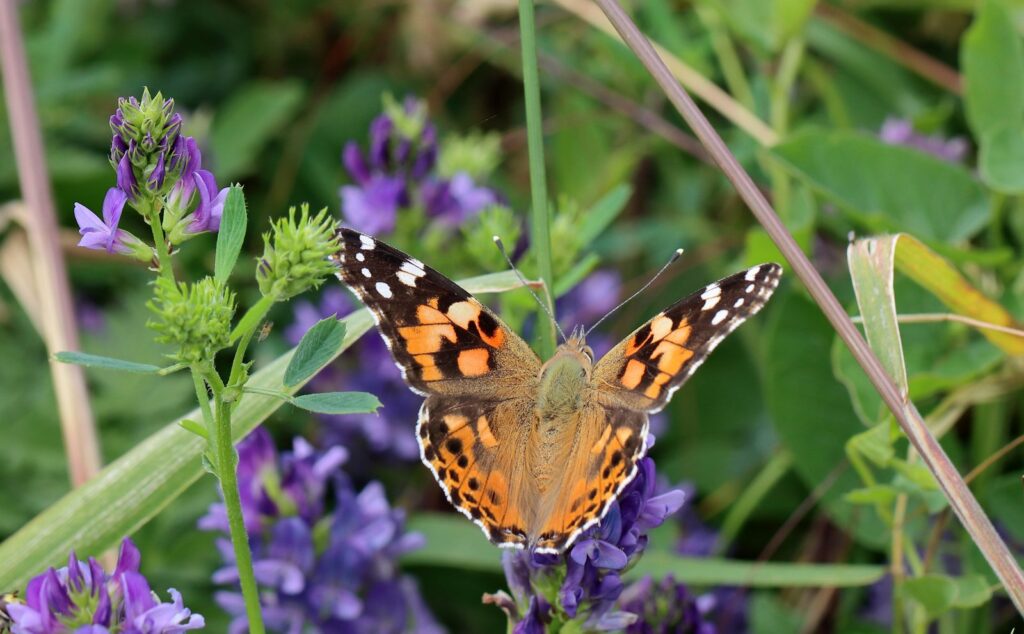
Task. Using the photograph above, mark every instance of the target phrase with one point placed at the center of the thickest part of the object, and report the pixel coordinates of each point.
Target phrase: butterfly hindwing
(645, 369)
(477, 452)
(438, 334)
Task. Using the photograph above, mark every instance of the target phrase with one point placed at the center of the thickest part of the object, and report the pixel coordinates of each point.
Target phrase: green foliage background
(274, 89)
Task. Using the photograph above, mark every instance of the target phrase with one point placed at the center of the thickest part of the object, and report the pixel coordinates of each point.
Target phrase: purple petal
(113, 205)
(352, 159)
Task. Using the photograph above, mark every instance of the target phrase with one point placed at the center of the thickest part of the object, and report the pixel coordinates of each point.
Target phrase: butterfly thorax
(563, 381)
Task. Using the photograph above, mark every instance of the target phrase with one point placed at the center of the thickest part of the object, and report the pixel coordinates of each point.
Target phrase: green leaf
(1001, 158)
(992, 58)
(318, 346)
(811, 411)
(248, 120)
(96, 361)
(128, 492)
(972, 592)
(872, 263)
(338, 402)
(454, 541)
(873, 495)
(231, 234)
(875, 444)
(887, 187)
(935, 593)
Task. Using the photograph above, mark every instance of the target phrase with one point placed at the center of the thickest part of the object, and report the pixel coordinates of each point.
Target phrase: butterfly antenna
(671, 261)
(544, 306)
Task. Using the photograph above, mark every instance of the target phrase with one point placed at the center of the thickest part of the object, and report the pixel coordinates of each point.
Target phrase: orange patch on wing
(432, 302)
(633, 375)
(603, 440)
(483, 431)
(680, 334)
(473, 362)
(427, 314)
(636, 343)
(670, 357)
(494, 340)
(654, 389)
(622, 434)
(426, 339)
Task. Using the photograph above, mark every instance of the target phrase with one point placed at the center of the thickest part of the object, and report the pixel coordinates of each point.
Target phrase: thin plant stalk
(81, 444)
(963, 502)
(540, 236)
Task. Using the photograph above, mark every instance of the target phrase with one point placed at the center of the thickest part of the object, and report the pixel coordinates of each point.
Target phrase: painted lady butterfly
(533, 452)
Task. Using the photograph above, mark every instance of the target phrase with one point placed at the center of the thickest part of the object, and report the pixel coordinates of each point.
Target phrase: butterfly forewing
(438, 334)
(645, 369)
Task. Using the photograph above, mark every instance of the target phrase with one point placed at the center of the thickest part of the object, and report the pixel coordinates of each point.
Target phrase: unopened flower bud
(295, 253)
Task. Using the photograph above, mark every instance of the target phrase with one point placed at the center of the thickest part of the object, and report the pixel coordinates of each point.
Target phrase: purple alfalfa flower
(896, 131)
(697, 539)
(197, 191)
(103, 234)
(82, 597)
(590, 570)
(272, 486)
(373, 207)
(452, 202)
(667, 607)
(345, 580)
(145, 149)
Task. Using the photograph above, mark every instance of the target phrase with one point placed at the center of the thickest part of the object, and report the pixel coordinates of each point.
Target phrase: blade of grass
(134, 488)
(953, 487)
(54, 293)
(540, 236)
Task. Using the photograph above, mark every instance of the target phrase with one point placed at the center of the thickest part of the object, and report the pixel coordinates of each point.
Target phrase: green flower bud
(295, 253)
(476, 154)
(196, 318)
(409, 118)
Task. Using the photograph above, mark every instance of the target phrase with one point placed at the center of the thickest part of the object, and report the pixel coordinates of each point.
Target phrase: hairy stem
(227, 465)
(540, 236)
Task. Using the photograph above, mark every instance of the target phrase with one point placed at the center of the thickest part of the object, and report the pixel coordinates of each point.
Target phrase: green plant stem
(540, 236)
(244, 331)
(163, 254)
(252, 317)
(740, 510)
(204, 406)
(227, 463)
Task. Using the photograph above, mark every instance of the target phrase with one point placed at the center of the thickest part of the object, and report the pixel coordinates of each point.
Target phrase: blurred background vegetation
(273, 90)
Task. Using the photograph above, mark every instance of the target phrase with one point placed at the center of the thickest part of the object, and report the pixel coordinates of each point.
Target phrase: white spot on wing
(367, 242)
(360, 257)
(406, 278)
(752, 274)
(739, 302)
(711, 302)
(384, 290)
(416, 263)
(366, 272)
(412, 269)
(717, 319)
(711, 296)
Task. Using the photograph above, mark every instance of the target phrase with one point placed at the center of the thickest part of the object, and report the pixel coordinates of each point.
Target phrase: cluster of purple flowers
(159, 172)
(585, 585)
(399, 172)
(318, 572)
(81, 598)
